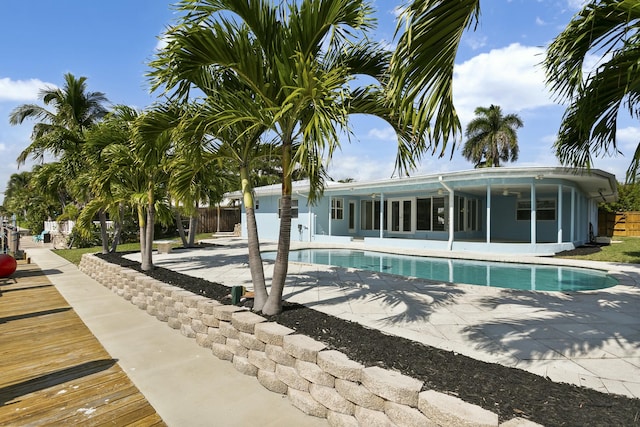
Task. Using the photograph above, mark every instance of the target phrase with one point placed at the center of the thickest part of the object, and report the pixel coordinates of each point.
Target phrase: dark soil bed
(509, 392)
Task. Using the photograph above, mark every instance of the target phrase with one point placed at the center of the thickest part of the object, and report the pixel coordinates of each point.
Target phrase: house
(536, 210)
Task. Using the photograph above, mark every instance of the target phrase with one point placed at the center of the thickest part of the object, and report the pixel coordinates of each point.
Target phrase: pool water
(483, 273)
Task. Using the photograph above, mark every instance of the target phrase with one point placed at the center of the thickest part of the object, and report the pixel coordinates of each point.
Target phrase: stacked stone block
(320, 382)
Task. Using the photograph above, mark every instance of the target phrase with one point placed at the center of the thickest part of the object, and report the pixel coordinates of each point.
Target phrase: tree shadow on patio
(390, 299)
(547, 325)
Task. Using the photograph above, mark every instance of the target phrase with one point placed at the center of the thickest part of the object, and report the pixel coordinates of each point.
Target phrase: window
(473, 219)
(337, 208)
(352, 216)
(257, 203)
(370, 215)
(294, 208)
(466, 217)
(423, 217)
(439, 210)
(545, 210)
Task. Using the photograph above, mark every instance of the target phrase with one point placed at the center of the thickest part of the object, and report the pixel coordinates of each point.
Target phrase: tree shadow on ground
(544, 325)
(400, 299)
(9, 393)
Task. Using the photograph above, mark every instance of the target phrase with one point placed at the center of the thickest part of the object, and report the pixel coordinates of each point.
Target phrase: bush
(78, 240)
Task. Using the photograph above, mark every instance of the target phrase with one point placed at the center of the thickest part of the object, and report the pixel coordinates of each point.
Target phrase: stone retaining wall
(320, 382)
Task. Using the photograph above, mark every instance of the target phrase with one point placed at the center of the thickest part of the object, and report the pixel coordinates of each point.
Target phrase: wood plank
(53, 370)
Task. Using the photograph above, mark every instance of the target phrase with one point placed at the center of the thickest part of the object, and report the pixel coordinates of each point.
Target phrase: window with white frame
(423, 214)
(337, 208)
(545, 210)
(370, 215)
(294, 208)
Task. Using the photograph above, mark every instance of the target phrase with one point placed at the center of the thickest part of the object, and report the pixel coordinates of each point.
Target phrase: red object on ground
(8, 265)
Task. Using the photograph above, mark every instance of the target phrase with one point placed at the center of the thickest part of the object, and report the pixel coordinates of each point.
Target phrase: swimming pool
(484, 273)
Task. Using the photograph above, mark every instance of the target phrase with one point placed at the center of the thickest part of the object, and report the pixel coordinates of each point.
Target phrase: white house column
(559, 213)
(381, 215)
(573, 214)
(533, 215)
(451, 213)
(488, 213)
(330, 213)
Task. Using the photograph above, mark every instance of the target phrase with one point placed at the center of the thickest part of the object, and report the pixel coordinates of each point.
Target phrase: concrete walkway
(184, 382)
(589, 338)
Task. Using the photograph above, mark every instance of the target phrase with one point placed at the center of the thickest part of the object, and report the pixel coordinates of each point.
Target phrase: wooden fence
(619, 224)
(208, 219)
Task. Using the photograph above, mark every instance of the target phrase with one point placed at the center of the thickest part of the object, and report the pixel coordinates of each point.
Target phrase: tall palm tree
(492, 137)
(610, 30)
(298, 60)
(60, 131)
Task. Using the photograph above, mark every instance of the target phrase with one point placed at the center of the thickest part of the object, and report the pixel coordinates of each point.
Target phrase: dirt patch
(509, 392)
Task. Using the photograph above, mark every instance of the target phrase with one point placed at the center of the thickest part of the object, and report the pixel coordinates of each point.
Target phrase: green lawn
(74, 255)
(626, 251)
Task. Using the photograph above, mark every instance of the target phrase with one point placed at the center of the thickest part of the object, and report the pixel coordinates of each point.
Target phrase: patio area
(590, 338)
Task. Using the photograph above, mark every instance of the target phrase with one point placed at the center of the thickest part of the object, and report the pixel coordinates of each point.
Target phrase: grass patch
(627, 251)
(75, 255)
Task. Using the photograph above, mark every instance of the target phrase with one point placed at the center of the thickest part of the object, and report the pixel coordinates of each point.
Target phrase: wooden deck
(53, 371)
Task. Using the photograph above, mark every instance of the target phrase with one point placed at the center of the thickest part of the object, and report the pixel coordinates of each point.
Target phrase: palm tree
(298, 61)
(609, 30)
(60, 131)
(492, 137)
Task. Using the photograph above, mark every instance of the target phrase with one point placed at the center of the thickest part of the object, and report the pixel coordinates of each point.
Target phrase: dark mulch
(509, 392)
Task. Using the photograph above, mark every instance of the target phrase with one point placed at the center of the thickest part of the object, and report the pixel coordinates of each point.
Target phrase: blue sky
(111, 43)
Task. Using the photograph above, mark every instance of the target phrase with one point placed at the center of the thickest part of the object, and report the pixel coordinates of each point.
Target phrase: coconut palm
(492, 137)
(298, 61)
(609, 30)
(133, 173)
(60, 131)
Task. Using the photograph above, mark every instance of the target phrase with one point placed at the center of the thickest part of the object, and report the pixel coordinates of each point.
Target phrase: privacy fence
(214, 220)
(619, 224)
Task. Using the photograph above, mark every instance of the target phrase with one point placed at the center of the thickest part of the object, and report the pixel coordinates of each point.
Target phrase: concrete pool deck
(589, 338)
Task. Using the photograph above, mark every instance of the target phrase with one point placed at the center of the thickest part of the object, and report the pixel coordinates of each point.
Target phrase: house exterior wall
(505, 227)
(434, 203)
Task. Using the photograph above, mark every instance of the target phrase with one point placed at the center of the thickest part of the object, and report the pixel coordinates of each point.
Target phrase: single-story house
(533, 210)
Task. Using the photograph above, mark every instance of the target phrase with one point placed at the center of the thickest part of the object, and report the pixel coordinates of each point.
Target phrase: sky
(112, 42)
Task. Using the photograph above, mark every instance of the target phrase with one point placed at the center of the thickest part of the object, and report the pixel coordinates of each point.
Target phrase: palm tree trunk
(147, 261)
(104, 236)
(183, 238)
(193, 228)
(281, 266)
(142, 222)
(117, 232)
(253, 243)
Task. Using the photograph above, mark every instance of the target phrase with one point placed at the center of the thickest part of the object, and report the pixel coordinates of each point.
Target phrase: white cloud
(628, 140)
(386, 134)
(21, 90)
(2, 147)
(511, 77)
(359, 168)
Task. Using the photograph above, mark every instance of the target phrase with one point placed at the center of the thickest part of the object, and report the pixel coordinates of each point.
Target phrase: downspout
(310, 213)
(451, 218)
(381, 215)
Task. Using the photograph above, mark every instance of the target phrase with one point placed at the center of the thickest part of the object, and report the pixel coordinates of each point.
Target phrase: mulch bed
(509, 392)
